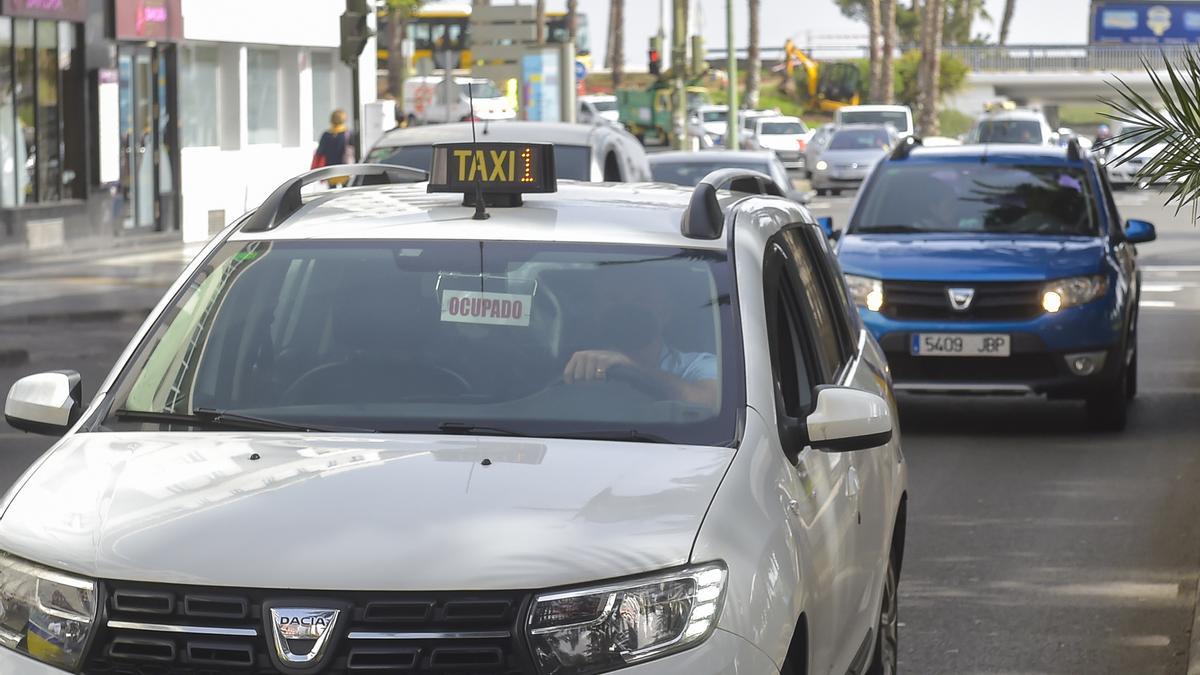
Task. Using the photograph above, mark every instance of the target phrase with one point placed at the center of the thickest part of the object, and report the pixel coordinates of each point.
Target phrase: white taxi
(478, 423)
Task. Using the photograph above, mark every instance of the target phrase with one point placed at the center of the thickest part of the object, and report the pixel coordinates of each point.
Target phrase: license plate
(960, 344)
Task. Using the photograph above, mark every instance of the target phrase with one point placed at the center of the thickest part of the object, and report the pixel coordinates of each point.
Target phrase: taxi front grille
(993, 301)
(181, 630)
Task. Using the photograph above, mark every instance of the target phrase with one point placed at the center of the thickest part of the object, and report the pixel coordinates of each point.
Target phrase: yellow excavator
(822, 87)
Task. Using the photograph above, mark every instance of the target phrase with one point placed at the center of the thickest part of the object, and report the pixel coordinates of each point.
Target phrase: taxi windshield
(977, 198)
(516, 338)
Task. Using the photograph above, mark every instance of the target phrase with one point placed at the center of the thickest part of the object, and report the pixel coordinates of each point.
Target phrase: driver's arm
(701, 388)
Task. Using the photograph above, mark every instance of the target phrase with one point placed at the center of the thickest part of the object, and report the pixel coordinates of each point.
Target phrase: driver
(634, 316)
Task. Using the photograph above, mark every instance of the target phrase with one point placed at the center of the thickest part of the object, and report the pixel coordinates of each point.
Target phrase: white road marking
(1170, 269)
(1162, 288)
(1156, 303)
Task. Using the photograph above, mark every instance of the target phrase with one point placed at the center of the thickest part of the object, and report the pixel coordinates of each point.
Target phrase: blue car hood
(956, 257)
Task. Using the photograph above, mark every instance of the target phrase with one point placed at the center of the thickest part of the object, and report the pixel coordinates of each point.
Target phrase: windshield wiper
(476, 430)
(207, 417)
(888, 229)
(627, 435)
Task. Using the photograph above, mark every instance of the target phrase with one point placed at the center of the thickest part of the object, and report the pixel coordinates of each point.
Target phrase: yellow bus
(441, 27)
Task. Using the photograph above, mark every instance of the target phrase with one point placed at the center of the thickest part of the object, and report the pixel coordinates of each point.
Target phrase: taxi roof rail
(286, 199)
(704, 218)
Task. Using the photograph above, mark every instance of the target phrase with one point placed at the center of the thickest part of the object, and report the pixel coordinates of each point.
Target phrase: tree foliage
(1173, 127)
(953, 76)
(961, 19)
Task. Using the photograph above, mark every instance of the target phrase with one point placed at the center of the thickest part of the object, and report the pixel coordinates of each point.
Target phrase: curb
(1193, 662)
(85, 316)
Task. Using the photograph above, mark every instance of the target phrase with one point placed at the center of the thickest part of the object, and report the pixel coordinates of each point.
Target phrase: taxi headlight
(45, 614)
(865, 291)
(822, 165)
(1060, 294)
(595, 630)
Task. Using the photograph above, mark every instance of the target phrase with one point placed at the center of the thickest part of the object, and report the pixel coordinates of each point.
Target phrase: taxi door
(822, 505)
(834, 343)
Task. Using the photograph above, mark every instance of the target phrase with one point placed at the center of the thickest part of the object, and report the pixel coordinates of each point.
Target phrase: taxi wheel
(887, 644)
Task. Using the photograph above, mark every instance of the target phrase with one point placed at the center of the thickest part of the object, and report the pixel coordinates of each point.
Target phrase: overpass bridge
(1041, 75)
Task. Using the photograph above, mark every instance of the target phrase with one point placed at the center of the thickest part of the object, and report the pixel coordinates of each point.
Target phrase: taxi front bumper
(722, 654)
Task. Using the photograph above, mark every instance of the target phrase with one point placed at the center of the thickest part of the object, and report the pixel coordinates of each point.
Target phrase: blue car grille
(993, 301)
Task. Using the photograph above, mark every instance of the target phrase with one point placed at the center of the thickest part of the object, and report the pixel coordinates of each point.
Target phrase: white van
(433, 100)
(899, 116)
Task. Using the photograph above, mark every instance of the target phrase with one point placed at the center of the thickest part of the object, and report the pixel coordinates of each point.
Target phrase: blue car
(999, 270)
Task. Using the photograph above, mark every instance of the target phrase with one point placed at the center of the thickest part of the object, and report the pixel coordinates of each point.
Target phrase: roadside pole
(679, 66)
(731, 126)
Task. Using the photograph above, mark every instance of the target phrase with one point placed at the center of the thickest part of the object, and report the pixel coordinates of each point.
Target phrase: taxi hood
(360, 511)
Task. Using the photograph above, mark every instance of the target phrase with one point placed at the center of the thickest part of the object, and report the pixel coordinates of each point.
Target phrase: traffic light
(656, 56)
(355, 31)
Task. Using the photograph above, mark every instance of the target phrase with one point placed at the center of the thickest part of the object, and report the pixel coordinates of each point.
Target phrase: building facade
(158, 119)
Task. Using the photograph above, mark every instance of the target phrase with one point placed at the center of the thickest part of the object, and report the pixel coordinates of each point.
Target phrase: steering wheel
(413, 371)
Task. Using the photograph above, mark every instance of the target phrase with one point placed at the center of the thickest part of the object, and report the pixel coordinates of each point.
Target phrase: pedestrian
(334, 147)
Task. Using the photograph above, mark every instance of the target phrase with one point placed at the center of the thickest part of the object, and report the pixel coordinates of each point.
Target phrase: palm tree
(1006, 20)
(1174, 126)
(616, 41)
(933, 23)
(539, 16)
(754, 67)
(874, 65)
(887, 73)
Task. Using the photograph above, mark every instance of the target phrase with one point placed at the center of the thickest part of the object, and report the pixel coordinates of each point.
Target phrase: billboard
(1152, 23)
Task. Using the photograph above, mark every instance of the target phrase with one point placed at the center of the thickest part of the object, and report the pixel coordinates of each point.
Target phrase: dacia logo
(300, 636)
(960, 298)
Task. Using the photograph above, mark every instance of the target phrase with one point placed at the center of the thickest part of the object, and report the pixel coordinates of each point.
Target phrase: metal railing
(1013, 58)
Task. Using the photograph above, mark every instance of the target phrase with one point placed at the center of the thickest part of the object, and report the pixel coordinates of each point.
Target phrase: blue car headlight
(865, 291)
(45, 614)
(1060, 294)
(595, 630)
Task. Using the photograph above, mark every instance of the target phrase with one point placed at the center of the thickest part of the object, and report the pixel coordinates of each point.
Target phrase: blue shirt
(689, 366)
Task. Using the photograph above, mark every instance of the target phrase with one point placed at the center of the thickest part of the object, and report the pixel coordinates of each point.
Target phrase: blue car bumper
(1037, 363)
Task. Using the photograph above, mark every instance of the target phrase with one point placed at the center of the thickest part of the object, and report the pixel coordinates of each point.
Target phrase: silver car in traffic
(849, 156)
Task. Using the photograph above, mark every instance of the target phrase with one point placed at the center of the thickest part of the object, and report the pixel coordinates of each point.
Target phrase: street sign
(580, 71)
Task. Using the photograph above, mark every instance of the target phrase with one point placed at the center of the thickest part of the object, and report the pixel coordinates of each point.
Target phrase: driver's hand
(593, 364)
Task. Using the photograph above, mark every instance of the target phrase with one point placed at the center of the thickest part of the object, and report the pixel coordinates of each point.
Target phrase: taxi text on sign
(493, 167)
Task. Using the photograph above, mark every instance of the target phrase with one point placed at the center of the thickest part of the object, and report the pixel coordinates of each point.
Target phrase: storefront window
(262, 89)
(25, 86)
(198, 93)
(42, 112)
(12, 144)
(49, 154)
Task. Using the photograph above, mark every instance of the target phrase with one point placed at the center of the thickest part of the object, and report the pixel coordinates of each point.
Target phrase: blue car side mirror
(1139, 231)
(826, 225)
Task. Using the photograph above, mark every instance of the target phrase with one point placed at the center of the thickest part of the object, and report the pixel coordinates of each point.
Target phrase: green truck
(647, 112)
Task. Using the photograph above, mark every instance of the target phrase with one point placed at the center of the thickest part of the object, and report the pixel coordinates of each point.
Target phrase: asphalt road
(1035, 546)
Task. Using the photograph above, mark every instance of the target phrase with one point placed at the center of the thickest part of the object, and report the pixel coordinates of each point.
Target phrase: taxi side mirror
(46, 403)
(844, 420)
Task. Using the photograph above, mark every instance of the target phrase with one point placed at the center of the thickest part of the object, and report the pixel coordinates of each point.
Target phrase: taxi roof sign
(493, 169)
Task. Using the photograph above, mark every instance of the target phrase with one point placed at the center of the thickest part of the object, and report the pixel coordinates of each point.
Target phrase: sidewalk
(93, 284)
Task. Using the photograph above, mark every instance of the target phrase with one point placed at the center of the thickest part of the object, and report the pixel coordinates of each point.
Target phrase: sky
(1034, 22)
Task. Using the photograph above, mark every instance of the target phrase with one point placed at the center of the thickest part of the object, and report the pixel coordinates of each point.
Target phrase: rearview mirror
(826, 225)
(845, 420)
(1140, 231)
(46, 403)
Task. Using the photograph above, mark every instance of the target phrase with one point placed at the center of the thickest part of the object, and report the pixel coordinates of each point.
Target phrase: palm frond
(1172, 127)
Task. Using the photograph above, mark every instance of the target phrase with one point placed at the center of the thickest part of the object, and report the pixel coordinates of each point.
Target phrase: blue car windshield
(977, 198)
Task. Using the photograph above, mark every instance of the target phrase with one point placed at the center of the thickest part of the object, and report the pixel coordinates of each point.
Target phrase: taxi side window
(791, 360)
(844, 312)
(815, 291)
(1116, 227)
